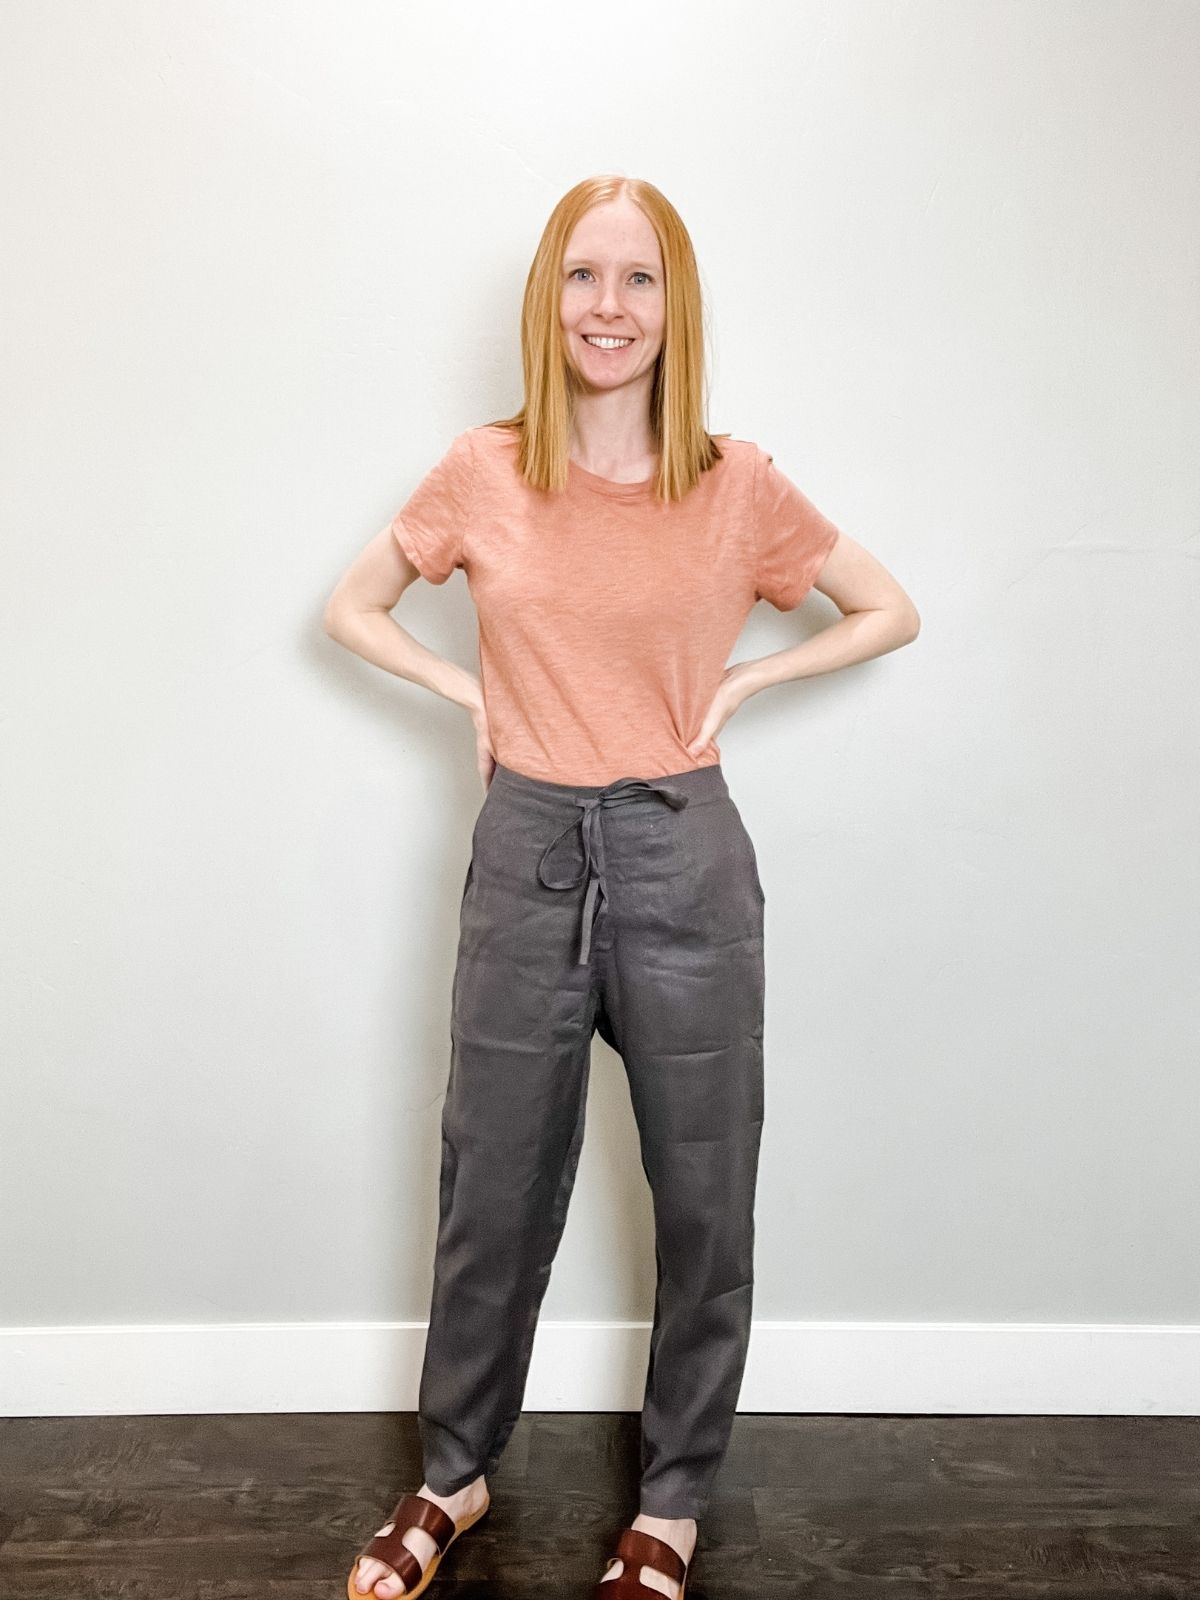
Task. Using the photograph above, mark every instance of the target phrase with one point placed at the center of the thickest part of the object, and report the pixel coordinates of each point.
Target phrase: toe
(386, 1585)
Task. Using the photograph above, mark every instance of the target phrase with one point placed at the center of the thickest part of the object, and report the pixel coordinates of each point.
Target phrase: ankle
(471, 1494)
(667, 1522)
(676, 1531)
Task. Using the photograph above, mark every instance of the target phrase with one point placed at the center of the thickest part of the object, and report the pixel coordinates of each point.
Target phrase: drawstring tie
(592, 837)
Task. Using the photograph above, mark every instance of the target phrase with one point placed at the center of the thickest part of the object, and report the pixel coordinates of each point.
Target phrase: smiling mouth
(621, 344)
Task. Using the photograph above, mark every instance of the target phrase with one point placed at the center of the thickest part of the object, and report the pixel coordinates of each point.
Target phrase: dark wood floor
(854, 1507)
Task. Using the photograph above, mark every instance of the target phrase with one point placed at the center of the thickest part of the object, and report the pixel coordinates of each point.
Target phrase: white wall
(262, 264)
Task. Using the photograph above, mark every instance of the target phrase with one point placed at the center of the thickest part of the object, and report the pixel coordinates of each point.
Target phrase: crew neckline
(609, 486)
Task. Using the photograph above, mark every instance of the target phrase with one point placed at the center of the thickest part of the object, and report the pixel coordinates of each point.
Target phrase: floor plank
(852, 1507)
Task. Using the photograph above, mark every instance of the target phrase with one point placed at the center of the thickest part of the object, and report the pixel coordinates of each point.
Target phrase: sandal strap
(412, 1511)
(638, 1549)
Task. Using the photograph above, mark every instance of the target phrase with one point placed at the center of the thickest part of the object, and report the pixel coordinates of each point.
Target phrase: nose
(609, 302)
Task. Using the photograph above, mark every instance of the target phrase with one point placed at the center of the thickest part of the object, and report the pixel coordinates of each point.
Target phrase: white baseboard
(884, 1367)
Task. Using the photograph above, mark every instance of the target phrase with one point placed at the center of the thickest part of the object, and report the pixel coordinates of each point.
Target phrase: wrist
(748, 678)
(465, 690)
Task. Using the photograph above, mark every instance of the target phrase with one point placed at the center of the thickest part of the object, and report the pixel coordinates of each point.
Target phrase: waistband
(698, 783)
(586, 801)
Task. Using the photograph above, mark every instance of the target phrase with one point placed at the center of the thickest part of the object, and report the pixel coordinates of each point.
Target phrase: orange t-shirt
(606, 617)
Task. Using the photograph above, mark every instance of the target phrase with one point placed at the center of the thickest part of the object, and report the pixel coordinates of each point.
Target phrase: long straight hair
(678, 397)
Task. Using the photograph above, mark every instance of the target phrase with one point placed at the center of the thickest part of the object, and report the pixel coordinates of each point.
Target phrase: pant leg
(683, 1004)
(512, 1128)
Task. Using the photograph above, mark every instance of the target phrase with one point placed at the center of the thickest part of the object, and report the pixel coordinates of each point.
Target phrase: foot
(680, 1535)
(377, 1578)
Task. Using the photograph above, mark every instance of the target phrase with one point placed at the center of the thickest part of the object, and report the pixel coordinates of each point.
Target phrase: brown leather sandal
(638, 1549)
(412, 1511)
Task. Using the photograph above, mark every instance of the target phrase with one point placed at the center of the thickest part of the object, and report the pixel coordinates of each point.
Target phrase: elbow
(911, 625)
(331, 619)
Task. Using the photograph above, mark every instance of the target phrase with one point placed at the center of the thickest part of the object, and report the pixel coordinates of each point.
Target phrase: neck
(611, 429)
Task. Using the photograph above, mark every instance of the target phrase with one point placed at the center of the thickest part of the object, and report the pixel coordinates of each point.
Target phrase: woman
(613, 549)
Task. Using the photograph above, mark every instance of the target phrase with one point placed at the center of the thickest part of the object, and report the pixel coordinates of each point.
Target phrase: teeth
(606, 344)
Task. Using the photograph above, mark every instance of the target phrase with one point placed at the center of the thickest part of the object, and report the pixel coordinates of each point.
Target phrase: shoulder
(488, 441)
(758, 468)
(492, 452)
(477, 445)
(742, 461)
(743, 455)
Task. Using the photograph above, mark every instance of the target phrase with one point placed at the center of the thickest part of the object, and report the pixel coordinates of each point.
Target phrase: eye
(645, 275)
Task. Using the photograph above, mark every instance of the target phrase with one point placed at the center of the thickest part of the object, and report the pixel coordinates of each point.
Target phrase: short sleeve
(433, 522)
(791, 537)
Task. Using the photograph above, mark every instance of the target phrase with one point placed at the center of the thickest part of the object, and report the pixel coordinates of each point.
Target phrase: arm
(358, 615)
(878, 616)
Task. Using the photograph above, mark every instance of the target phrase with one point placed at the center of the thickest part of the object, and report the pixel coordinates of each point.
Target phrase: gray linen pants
(633, 909)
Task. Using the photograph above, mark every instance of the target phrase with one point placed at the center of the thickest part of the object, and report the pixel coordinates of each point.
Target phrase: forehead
(616, 231)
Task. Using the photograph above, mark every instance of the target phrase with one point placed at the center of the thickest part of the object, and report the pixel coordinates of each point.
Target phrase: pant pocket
(749, 853)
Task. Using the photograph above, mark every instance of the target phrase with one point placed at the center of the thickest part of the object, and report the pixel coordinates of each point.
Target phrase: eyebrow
(582, 261)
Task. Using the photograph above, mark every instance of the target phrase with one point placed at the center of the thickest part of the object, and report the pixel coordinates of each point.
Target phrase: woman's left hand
(732, 690)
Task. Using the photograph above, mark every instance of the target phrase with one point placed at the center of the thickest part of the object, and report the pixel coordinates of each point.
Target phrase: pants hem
(672, 1509)
(448, 1486)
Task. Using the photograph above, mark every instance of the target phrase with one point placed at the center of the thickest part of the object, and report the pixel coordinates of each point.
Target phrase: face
(612, 286)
